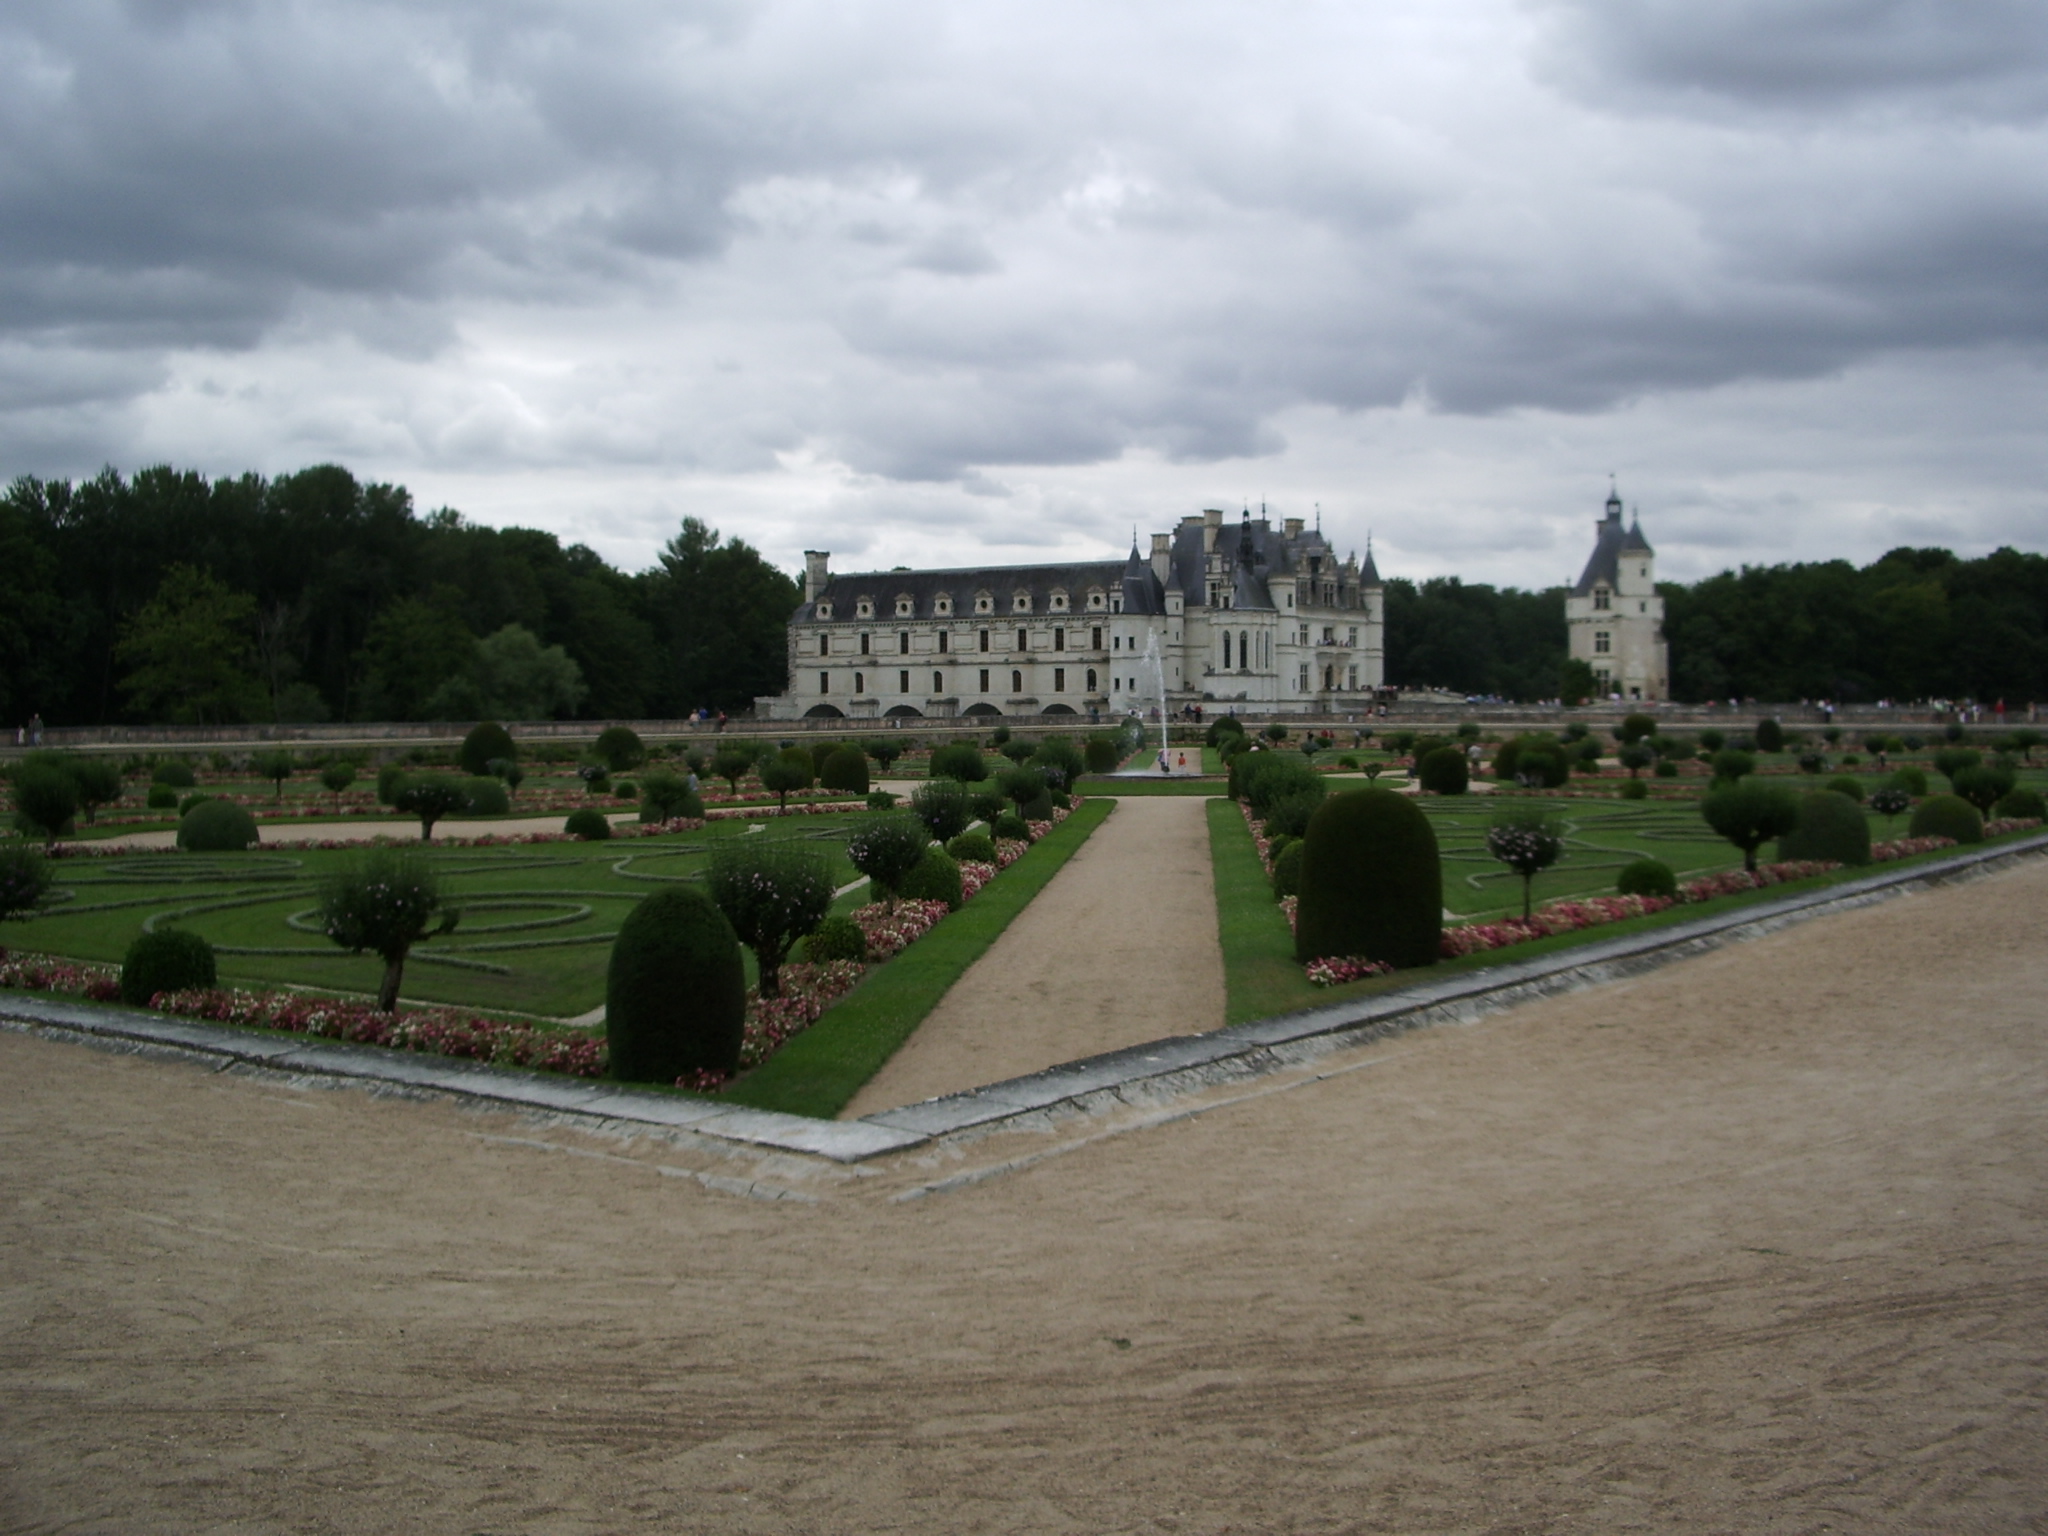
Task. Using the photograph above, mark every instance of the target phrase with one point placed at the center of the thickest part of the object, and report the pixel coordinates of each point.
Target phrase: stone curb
(1143, 1074)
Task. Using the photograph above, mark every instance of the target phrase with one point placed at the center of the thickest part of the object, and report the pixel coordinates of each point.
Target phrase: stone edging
(1144, 1073)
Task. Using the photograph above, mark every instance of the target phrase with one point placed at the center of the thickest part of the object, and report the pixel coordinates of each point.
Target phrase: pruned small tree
(883, 751)
(731, 764)
(1891, 804)
(784, 774)
(620, 748)
(45, 800)
(430, 796)
(385, 903)
(336, 778)
(276, 766)
(887, 849)
(1635, 756)
(945, 807)
(1749, 813)
(1526, 840)
(773, 893)
(98, 782)
(24, 880)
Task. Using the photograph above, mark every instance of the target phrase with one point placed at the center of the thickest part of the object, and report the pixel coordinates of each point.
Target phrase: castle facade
(1256, 617)
(1614, 618)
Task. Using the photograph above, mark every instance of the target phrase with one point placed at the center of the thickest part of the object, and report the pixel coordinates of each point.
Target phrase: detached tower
(1614, 617)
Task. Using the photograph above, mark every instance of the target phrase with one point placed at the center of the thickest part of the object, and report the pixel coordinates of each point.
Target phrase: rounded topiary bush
(1371, 881)
(216, 826)
(936, 878)
(1275, 846)
(675, 996)
(1287, 871)
(1011, 828)
(171, 960)
(487, 797)
(390, 779)
(837, 938)
(1039, 809)
(175, 774)
(1912, 780)
(588, 823)
(1101, 754)
(619, 747)
(958, 760)
(185, 805)
(845, 769)
(1289, 815)
(162, 797)
(973, 848)
(1770, 735)
(1665, 769)
(1222, 726)
(1445, 772)
(2023, 804)
(1647, 877)
(1847, 784)
(486, 743)
(1947, 816)
(1831, 827)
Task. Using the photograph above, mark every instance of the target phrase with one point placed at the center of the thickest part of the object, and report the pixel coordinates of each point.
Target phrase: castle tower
(1614, 619)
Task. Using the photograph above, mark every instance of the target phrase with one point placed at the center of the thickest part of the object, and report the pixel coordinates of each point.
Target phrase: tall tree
(722, 615)
(190, 651)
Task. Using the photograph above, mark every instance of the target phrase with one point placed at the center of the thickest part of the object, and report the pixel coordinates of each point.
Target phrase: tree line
(313, 597)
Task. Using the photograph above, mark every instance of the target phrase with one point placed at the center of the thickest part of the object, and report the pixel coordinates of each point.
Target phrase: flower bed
(1730, 881)
(1907, 847)
(40, 973)
(1570, 916)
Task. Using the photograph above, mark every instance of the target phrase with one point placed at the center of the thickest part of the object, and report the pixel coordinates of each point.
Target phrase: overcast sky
(931, 283)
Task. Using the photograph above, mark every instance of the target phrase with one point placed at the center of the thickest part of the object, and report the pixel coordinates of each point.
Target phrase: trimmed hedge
(973, 848)
(1832, 827)
(675, 991)
(839, 937)
(1947, 816)
(1287, 871)
(170, 960)
(2022, 803)
(957, 760)
(217, 826)
(1847, 784)
(845, 768)
(588, 823)
(1647, 877)
(175, 774)
(1011, 828)
(1371, 881)
(487, 797)
(485, 744)
(1444, 771)
(936, 878)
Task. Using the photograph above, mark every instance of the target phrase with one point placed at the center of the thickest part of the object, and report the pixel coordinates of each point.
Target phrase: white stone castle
(1614, 618)
(1261, 619)
(1250, 619)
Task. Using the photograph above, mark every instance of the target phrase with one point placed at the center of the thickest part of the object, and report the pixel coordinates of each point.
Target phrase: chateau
(1261, 618)
(1614, 617)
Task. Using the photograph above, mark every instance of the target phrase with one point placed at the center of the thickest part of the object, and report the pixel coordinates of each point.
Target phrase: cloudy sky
(926, 283)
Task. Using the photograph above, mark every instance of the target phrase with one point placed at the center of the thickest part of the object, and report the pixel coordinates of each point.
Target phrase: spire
(1613, 500)
(1244, 536)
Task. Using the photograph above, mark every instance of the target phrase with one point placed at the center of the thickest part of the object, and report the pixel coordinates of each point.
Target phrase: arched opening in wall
(981, 709)
(1059, 709)
(824, 712)
(1016, 682)
(903, 712)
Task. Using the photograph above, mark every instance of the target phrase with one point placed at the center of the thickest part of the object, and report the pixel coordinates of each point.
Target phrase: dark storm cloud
(923, 241)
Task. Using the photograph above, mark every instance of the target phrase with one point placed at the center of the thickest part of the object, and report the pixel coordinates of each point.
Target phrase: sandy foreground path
(1752, 1244)
(1119, 948)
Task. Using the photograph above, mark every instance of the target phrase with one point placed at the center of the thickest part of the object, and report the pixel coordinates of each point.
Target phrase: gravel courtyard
(1752, 1244)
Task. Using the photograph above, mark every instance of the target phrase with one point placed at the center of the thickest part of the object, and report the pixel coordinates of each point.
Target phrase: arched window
(1243, 648)
(1226, 650)
(1023, 641)
(1091, 679)
(1016, 682)
(860, 682)
(938, 682)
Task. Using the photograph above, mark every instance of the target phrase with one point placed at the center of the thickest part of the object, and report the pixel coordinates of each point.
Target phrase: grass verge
(1261, 978)
(820, 1071)
(1116, 788)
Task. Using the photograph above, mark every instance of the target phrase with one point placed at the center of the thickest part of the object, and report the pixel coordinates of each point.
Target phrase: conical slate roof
(1142, 592)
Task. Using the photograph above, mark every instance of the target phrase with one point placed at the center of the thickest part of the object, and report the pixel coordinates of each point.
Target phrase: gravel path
(1119, 948)
(1755, 1243)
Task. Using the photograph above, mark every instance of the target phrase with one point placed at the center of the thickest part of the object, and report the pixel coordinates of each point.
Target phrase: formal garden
(762, 921)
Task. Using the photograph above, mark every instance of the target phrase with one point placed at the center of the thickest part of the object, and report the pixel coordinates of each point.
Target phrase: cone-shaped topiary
(1770, 735)
(675, 996)
(846, 768)
(1444, 771)
(1832, 827)
(1371, 881)
(1947, 816)
(486, 743)
(216, 826)
(588, 823)
(169, 961)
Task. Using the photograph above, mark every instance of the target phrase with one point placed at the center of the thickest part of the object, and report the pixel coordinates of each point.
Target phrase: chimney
(1162, 557)
(1212, 524)
(1294, 525)
(815, 573)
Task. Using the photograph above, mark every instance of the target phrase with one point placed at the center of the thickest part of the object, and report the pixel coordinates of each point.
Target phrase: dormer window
(943, 607)
(824, 610)
(1021, 603)
(865, 608)
(983, 603)
(1600, 597)
(905, 605)
(1095, 599)
(1059, 602)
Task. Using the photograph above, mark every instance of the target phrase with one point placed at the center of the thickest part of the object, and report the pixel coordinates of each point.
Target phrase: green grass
(535, 935)
(1261, 978)
(1115, 787)
(821, 1070)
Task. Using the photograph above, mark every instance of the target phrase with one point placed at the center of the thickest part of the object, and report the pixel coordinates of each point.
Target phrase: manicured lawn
(819, 1071)
(534, 938)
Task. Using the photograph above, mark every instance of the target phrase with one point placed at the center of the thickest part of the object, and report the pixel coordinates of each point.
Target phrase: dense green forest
(315, 597)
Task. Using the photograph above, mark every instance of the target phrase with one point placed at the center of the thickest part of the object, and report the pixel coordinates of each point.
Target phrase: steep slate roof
(962, 584)
(1613, 542)
(1142, 592)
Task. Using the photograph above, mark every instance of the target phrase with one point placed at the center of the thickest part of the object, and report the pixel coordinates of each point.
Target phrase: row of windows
(1059, 641)
(1059, 681)
(1020, 602)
